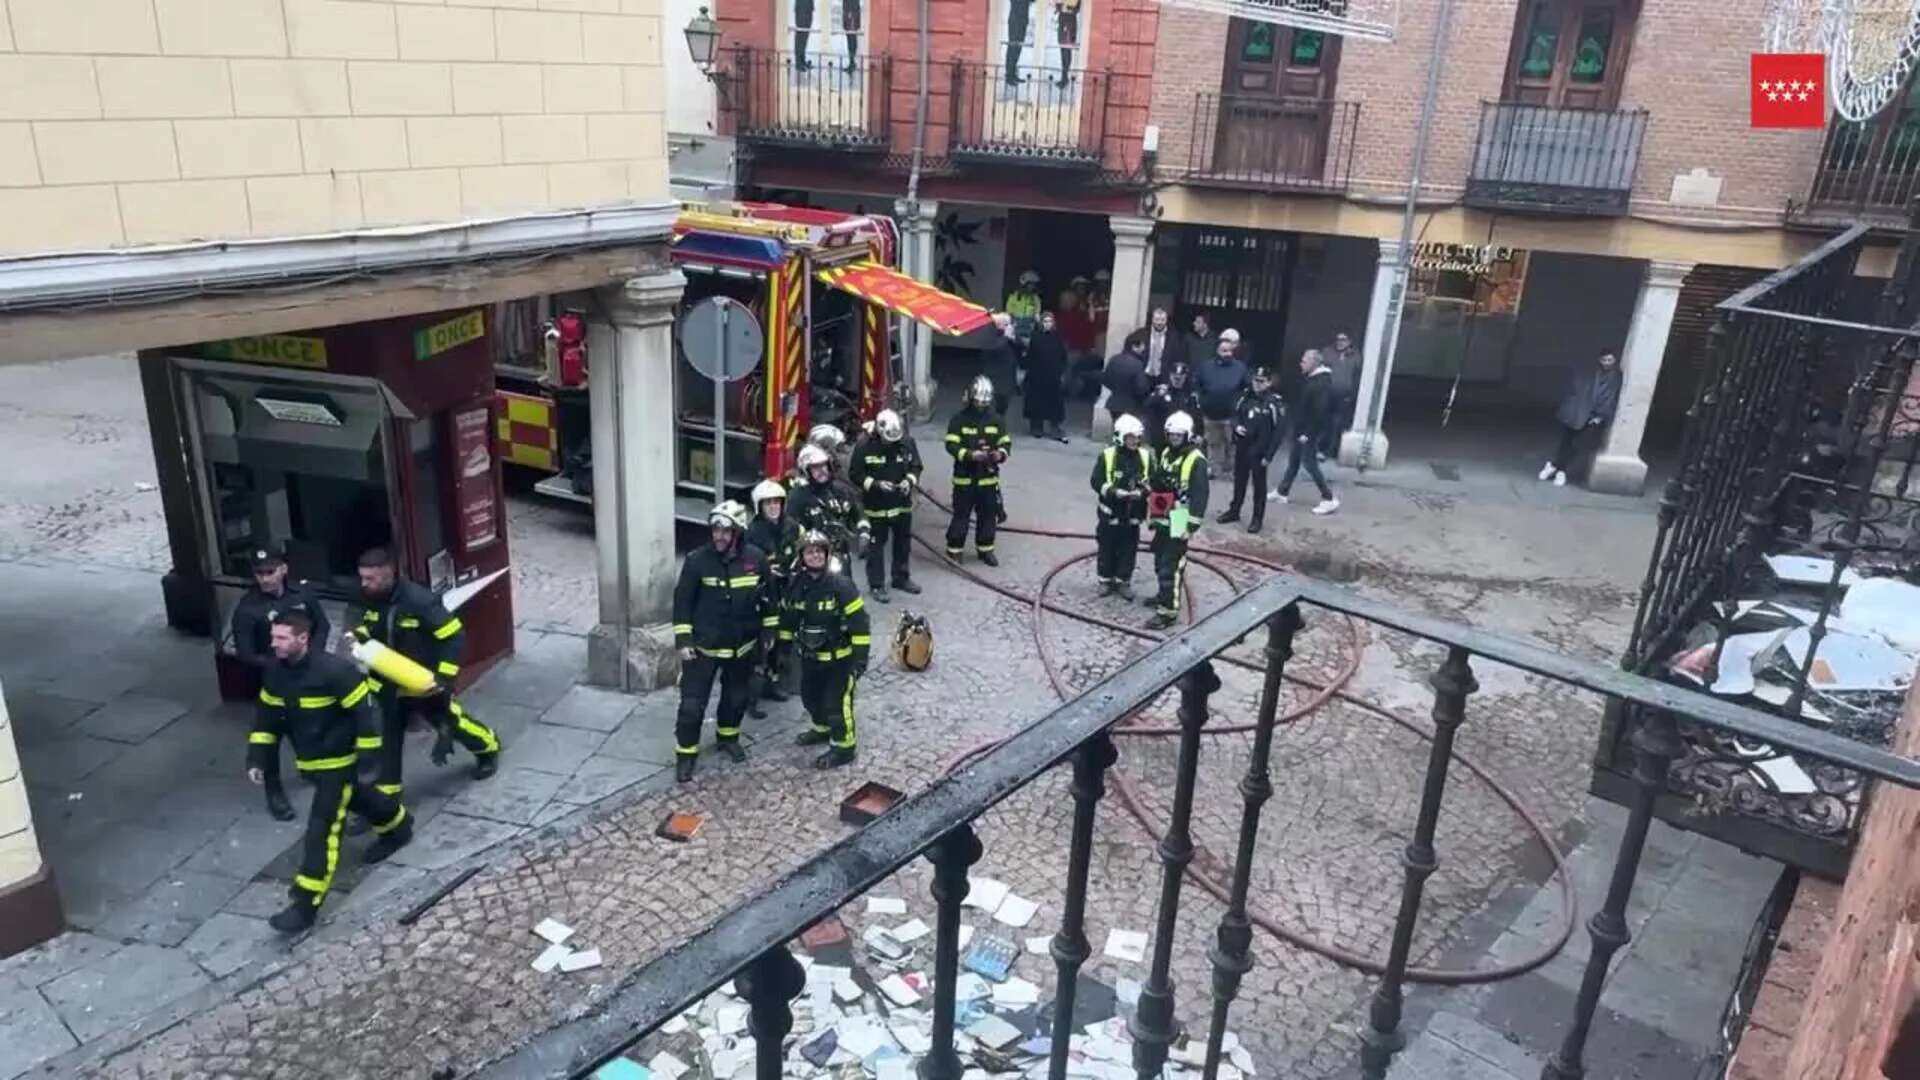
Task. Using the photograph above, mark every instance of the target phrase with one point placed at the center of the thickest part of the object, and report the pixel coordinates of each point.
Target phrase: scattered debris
(827, 932)
(667, 1067)
(1128, 945)
(1015, 911)
(993, 1032)
(580, 961)
(985, 894)
(621, 1069)
(553, 931)
(679, 827)
(886, 905)
(990, 957)
(911, 931)
(1040, 946)
(550, 959)
(899, 991)
(868, 802)
(1805, 570)
(143, 487)
(1016, 993)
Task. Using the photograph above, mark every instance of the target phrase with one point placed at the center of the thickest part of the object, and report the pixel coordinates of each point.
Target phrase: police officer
(979, 444)
(1174, 395)
(272, 593)
(316, 700)
(409, 618)
(886, 469)
(820, 502)
(777, 536)
(1176, 506)
(1120, 479)
(721, 608)
(827, 621)
(1256, 436)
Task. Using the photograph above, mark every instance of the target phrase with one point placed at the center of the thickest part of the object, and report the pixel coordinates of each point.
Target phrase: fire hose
(1322, 693)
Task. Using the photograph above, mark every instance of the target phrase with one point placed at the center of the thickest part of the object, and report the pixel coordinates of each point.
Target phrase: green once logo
(438, 338)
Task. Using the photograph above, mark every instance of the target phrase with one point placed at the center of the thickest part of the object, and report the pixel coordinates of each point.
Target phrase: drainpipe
(1396, 301)
(922, 252)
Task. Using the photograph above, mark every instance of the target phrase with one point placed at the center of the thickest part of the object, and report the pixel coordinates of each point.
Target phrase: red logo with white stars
(1789, 90)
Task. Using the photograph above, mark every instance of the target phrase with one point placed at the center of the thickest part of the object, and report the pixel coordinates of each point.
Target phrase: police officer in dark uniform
(1257, 420)
(820, 503)
(273, 592)
(978, 441)
(774, 532)
(721, 608)
(826, 619)
(886, 469)
(410, 619)
(317, 701)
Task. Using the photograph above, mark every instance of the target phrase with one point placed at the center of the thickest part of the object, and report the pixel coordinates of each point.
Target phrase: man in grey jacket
(1586, 408)
(1343, 360)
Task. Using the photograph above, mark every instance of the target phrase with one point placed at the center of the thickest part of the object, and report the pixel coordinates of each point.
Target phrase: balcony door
(822, 83)
(1275, 105)
(1874, 163)
(1570, 54)
(1035, 73)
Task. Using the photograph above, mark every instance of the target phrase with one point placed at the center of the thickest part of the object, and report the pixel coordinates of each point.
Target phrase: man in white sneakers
(1312, 413)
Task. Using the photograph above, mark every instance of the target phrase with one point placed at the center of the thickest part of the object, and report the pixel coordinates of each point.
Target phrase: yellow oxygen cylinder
(392, 666)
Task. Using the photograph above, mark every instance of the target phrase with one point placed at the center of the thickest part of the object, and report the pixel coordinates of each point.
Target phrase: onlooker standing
(1587, 407)
(1001, 364)
(1311, 414)
(1074, 323)
(1126, 377)
(1164, 347)
(1200, 342)
(1046, 362)
(1220, 382)
(1344, 360)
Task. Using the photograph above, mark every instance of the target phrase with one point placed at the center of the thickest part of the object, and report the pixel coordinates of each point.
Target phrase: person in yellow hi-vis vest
(410, 619)
(1176, 505)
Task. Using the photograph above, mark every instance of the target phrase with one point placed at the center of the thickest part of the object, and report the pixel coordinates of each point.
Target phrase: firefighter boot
(734, 751)
(907, 585)
(297, 917)
(1160, 621)
(833, 759)
(989, 558)
(485, 764)
(811, 738)
(357, 826)
(683, 769)
(383, 848)
(277, 804)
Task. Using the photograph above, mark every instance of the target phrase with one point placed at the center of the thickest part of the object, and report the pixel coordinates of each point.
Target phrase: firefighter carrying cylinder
(390, 665)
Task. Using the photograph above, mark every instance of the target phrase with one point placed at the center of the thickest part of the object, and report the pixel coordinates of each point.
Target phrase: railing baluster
(770, 984)
(955, 852)
(1070, 948)
(1152, 1024)
(1656, 742)
(1451, 685)
(1232, 956)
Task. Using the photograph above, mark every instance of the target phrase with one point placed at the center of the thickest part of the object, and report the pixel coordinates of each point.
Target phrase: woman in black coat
(1045, 387)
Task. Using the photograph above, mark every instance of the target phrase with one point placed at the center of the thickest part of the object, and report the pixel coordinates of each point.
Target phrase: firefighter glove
(442, 745)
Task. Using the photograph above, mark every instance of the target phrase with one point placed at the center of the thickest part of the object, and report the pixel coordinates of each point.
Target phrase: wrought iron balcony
(820, 99)
(1027, 114)
(1544, 159)
(751, 943)
(1272, 144)
(1867, 172)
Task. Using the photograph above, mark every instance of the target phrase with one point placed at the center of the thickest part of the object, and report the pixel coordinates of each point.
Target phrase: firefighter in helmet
(1024, 305)
(776, 534)
(979, 444)
(1121, 475)
(826, 620)
(1176, 506)
(831, 439)
(820, 502)
(886, 469)
(721, 607)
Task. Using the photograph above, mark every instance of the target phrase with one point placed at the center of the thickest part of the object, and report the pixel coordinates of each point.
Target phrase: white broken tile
(897, 1067)
(1016, 993)
(1242, 1059)
(731, 1019)
(553, 931)
(1015, 911)
(1040, 946)
(910, 931)
(724, 1062)
(1127, 992)
(969, 987)
(899, 991)
(666, 1066)
(861, 1036)
(985, 894)
(580, 961)
(550, 959)
(993, 1032)
(674, 1026)
(886, 905)
(912, 1038)
(846, 990)
(966, 935)
(1129, 945)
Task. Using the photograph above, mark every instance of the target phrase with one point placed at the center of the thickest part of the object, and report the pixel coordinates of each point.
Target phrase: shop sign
(299, 412)
(285, 351)
(1461, 258)
(437, 339)
(473, 482)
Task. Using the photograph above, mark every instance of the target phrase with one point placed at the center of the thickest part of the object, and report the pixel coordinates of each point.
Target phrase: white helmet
(827, 437)
(889, 426)
(730, 514)
(767, 489)
(1103, 275)
(981, 392)
(1029, 277)
(1129, 425)
(1179, 428)
(811, 455)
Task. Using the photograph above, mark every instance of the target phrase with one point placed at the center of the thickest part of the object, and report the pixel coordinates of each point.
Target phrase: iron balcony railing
(820, 99)
(1273, 144)
(1866, 170)
(1542, 158)
(751, 944)
(1027, 114)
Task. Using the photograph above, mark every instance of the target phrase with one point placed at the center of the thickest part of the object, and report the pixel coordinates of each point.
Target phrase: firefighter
(834, 441)
(827, 621)
(775, 533)
(271, 594)
(1024, 306)
(1255, 435)
(1176, 506)
(886, 469)
(720, 610)
(1120, 479)
(408, 618)
(317, 701)
(979, 444)
(820, 502)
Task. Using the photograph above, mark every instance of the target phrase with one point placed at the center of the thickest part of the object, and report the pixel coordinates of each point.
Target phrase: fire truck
(822, 286)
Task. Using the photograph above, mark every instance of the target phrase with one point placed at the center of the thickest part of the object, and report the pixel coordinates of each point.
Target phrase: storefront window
(1487, 278)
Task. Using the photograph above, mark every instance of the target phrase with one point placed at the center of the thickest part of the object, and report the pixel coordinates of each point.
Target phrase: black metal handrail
(822, 99)
(1028, 114)
(1866, 169)
(1279, 144)
(1542, 157)
(750, 942)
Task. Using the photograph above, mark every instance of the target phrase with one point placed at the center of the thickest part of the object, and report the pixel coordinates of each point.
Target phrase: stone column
(633, 483)
(29, 904)
(1375, 364)
(1127, 310)
(1618, 470)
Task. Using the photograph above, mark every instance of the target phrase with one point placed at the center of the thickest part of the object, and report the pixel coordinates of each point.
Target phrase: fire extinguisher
(566, 337)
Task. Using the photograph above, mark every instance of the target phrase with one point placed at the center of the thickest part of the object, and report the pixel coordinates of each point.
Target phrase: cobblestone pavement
(455, 989)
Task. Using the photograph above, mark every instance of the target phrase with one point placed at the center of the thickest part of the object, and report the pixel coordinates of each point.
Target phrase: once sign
(437, 339)
(285, 351)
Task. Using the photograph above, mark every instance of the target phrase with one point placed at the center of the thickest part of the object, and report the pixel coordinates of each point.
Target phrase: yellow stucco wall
(127, 122)
(19, 852)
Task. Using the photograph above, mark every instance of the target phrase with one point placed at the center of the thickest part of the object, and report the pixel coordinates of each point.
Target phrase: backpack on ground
(913, 643)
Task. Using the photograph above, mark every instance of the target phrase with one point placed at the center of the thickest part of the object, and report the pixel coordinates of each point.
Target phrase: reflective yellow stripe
(714, 581)
(860, 639)
(263, 738)
(854, 605)
(358, 693)
(367, 742)
(489, 742)
(786, 635)
(409, 623)
(318, 702)
(846, 718)
(399, 816)
(323, 764)
(388, 789)
(745, 581)
(447, 630)
(269, 699)
(682, 628)
(953, 438)
(446, 668)
(962, 481)
(726, 732)
(990, 481)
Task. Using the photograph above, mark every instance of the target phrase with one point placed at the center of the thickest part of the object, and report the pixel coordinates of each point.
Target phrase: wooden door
(1275, 106)
(1570, 53)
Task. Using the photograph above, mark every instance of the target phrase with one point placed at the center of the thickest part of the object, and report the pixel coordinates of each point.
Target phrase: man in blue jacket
(1220, 381)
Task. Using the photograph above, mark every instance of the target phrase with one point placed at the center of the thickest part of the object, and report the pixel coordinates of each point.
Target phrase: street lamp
(703, 40)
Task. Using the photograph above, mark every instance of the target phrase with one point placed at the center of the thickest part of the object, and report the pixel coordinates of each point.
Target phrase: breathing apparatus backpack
(913, 643)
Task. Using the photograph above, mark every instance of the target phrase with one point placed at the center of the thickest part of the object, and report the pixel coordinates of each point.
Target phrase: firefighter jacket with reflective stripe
(826, 620)
(830, 508)
(778, 540)
(253, 621)
(412, 621)
(723, 602)
(1256, 424)
(877, 461)
(1182, 472)
(1119, 470)
(974, 428)
(322, 702)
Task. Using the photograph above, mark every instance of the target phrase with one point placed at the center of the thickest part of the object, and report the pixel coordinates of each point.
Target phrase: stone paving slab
(226, 942)
(68, 952)
(453, 837)
(590, 707)
(242, 848)
(646, 736)
(170, 910)
(30, 1031)
(39, 715)
(550, 747)
(63, 761)
(600, 777)
(518, 682)
(131, 718)
(512, 796)
(121, 988)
